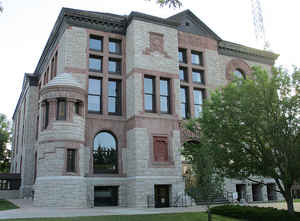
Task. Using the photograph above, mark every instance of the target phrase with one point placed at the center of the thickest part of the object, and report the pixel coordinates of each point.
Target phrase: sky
(25, 26)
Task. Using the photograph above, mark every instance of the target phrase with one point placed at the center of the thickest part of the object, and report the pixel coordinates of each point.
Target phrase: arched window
(239, 74)
(105, 153)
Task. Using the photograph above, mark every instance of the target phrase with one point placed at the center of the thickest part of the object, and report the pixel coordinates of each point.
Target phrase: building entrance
(106, 195)
(162, 196)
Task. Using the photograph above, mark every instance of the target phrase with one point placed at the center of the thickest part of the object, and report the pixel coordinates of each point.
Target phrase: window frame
(64, 117)
(185, 73)
(98, 95)
(165, 96)
(185, 103)
(118, 66)
(118, 97)
(116, 170)
(115, 41)
(93, 56)
(200, 56)
(153, 110)
(184, 55)
(73, 162)
(46, 115)
(198, 104)
(201, 73)
(96, 37)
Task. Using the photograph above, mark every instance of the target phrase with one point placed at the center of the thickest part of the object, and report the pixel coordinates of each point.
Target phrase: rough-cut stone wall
(61, 191)
(72, 49)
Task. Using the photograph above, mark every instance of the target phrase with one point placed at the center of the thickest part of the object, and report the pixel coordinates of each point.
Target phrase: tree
(4, 140)
(1, 7)
(253, 128)
(206, 182)
(170, 3)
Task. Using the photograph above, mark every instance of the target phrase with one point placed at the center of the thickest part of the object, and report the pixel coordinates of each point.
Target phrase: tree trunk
(290, 203)
(208, 214)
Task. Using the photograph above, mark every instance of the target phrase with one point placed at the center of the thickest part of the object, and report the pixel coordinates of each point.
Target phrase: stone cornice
(241, 51)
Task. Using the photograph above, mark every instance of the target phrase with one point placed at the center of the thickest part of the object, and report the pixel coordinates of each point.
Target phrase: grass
(153, 217)
(296, 200)
(6, 205)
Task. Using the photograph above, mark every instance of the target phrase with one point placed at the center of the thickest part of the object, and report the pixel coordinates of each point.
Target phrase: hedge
(254, 213)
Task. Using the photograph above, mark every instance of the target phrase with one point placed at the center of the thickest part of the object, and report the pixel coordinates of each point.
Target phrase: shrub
(254, 213)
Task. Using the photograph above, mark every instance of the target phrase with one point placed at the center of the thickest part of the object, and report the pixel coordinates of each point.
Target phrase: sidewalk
(26, 210)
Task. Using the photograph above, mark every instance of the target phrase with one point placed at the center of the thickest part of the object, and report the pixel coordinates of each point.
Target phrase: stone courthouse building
(97, 123)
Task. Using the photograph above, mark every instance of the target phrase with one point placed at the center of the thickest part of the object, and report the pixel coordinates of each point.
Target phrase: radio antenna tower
(258, 23)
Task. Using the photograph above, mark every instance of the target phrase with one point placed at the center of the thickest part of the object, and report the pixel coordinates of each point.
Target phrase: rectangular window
(61, 109)
(71, 160)
(160, 149)
(94, 95)
(184, 102)
(96, 42)
(198, 76)
(46, 115)
(114, 46)
(164, 96)
(183, 74)
(53, 66)
(182, 55)
(77, 108)
(198, 101)
(149, 94)
(114, 66)
(197, 58)
(46, 76)
(114, 97)
(95, 63)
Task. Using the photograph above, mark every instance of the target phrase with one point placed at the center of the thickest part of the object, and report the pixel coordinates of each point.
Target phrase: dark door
(162, 196)
(106, 196)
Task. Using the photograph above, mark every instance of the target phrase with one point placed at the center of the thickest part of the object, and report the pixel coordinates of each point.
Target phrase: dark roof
(32, 80)
(189, 22)
(241, 51)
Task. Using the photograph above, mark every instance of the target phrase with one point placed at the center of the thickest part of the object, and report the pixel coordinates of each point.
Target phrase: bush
(254, 213)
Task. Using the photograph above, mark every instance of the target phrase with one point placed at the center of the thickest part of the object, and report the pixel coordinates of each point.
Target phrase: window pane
(105, 153)
(94, 103)
(114, 65)
(61, 113)
(198, 110)
(183, 74)
(148, 85)
(94, 86)
(112, 105)
(198, 98)
(71, 160)
(95, 63)
(112, 88)
(183, 95)
(114, 46)
(148, 99)
(96, 43)
(164, 106)
(164, 87)
(238, 74)
(183, 111)
(196, 76)
(180, 56)
(197, 58)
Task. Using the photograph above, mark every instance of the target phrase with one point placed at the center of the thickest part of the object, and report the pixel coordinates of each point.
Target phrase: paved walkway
(28, 211)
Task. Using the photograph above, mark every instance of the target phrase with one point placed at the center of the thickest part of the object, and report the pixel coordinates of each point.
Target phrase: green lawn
(6, 205)
(159, 217)
(296, 200)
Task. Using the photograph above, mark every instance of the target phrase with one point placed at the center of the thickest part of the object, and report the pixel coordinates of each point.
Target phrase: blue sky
(26, 25)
